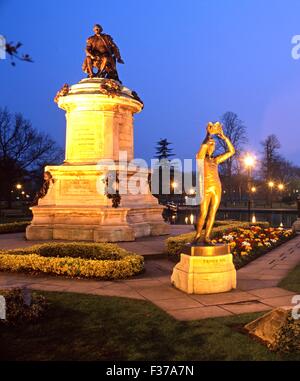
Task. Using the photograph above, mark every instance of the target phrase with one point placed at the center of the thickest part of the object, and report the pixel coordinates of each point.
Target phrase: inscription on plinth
(205, 274)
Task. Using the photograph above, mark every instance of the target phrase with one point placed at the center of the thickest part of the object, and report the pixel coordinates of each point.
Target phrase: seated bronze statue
(212, 188)
(101, 53)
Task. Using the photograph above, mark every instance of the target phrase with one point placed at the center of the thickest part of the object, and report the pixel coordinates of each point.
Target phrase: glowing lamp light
(19, 186)
(281, 225)
(253, 189)
(253, 220)
(174, 185)
(249, 161)
(192, 191)
(192, 219)
(271, 184)
(280, 187)
(186, 220)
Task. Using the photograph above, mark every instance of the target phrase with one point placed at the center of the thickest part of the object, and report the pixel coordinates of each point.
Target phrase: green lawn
(86, 327)
(292, 281)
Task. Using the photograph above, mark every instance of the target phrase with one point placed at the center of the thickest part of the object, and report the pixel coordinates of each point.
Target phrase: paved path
(257, 286)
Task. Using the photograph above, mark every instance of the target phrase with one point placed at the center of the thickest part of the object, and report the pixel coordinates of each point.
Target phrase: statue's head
(97, 29)
(47, 176)
(211, 146)
(214, 128)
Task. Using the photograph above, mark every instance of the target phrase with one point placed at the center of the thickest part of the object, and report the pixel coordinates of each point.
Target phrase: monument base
(74, 210)
(205, 270)
(104, 224)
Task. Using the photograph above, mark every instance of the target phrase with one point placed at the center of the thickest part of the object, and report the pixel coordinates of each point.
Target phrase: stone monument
(99, 116)
(204, 267)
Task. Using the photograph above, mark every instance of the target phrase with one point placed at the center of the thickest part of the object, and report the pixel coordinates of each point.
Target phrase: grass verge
(292, 281)
(87, 327)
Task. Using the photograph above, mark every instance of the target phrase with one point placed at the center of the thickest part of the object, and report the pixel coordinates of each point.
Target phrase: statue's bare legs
(209, 206)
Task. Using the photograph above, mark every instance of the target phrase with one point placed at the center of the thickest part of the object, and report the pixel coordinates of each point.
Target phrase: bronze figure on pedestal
(212, 189)
(101, 53)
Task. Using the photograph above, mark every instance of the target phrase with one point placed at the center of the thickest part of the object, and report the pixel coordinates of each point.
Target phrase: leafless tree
(271, 158)
(235, 129)
(12, 49)
(23, 151)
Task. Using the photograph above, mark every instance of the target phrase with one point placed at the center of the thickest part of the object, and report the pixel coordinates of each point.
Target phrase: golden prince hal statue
(212, 188)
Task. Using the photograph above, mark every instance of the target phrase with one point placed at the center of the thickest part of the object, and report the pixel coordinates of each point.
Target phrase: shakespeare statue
(101, 53)
(212, 188)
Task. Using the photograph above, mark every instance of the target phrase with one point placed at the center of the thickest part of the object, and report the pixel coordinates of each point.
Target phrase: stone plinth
(296, 226)
(99, 139)
(205, 270)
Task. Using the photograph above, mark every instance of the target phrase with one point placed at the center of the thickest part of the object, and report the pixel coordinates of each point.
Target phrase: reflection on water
(275, 219)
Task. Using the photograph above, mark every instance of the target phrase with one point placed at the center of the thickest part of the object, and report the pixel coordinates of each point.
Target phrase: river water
(286, 218)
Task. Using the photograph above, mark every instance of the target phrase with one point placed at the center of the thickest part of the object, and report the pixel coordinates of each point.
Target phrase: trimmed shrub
(85, 250)
(82, 260)
(13, 227)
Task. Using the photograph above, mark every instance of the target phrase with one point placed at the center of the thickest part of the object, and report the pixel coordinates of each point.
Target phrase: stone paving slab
(199, 313)
(246, 307)
(270, 292)
(234, 296)
(279, 301)
(184, 302)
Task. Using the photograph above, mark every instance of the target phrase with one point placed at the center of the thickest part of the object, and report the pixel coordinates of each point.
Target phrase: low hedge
(14, 227)
(174, 245)
(82, 260)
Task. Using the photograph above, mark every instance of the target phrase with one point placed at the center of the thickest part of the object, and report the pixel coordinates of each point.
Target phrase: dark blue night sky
(190, 61)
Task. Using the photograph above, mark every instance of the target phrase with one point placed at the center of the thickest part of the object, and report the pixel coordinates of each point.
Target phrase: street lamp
(271, 186)
(19, 186)
(280, 188)
(249, 162)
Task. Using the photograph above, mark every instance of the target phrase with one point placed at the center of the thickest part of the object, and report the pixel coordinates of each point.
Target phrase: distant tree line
(270, 166)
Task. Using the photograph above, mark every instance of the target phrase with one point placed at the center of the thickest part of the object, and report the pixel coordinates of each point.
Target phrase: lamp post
(280, 188)
(249, 162)
(271, 186)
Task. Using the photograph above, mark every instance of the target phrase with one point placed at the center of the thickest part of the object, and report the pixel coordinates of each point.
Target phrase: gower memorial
(79, 203)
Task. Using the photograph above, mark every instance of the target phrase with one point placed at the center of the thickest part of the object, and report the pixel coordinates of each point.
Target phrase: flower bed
(82, 260)
(174, 245)
(247, 242)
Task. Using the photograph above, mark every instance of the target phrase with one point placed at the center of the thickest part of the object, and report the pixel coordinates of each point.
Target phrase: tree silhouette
(162, 150)
(24, 151)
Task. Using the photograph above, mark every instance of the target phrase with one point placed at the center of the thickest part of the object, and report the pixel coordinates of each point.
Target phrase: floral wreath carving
(62, 92)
